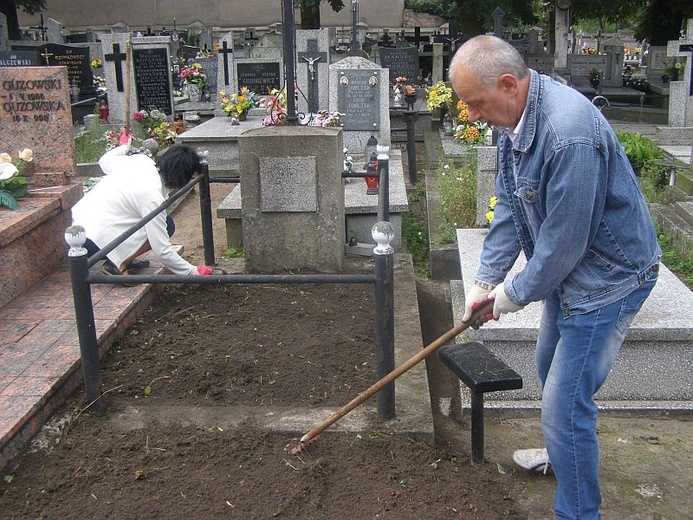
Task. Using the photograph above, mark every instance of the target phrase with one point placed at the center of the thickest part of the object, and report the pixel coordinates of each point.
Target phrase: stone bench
(482, 372)
(360, 209)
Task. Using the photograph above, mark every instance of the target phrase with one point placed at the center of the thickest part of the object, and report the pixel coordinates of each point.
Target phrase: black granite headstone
(402, 61)
(75, 58)
(259, 77)
(19, 59)
(152, 79)
(210, 66)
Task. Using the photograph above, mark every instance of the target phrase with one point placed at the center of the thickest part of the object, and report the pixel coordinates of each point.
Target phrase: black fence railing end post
(383, 233)
(76, 236)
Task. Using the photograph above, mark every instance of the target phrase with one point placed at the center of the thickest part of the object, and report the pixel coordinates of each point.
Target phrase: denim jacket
(568, 198)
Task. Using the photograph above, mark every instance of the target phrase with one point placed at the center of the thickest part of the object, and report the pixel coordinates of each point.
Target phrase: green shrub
(643, 155)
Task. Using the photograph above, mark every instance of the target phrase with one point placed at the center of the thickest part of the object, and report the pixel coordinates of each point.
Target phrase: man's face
(497, 107)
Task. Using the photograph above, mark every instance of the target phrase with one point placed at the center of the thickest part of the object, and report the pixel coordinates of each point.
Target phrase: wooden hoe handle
(486, 308)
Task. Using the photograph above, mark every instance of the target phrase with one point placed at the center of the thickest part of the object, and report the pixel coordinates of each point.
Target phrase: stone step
(685, 210)
(652, 370)
(679, 228)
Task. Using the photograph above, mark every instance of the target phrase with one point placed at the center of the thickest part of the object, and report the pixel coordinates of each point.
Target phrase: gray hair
(488, 57)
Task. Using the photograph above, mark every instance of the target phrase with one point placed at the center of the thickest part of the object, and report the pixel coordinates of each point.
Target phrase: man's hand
(502, 304)
(203, 270)
(476, 298)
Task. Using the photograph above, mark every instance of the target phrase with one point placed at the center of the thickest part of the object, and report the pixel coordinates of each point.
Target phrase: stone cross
(311, 56)
(117, 58)
(681, 92)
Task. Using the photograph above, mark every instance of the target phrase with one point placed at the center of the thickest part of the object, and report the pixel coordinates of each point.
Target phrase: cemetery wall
(139, 14)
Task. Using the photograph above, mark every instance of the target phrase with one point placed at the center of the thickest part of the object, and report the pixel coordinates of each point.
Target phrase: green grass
(457, 185)
(678, 265)
(91, 145)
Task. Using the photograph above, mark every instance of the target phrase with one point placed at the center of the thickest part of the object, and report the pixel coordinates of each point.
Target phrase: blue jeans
(574, 357)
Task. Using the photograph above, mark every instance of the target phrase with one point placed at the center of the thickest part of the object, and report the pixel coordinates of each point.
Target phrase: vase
(410, 99)
(594, 83)
(242, 116)
(194, 92)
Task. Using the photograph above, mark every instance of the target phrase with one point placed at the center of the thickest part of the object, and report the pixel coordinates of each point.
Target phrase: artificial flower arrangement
(239, 102)
(12, 184)
(438, 96)
(275, 104)
(325, 118)
(674, 69)
(408, 90)
(491, 209)
(468, 132)
(155, 125)
(193, 74)
(593, 75)
(96, 64)
(399, 83)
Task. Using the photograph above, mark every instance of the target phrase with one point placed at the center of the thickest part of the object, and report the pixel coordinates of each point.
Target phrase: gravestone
(188, 52)
(54, 31)
(225, 69)
(579, 66)
(656, 61)
(3, 32)
(268, 48)
(155, 84)
(401, 62)
(19, 59)
(151, 71)
(540, 62)
(613, 76)
(210, 68)
(360, 89)
(75, 58)
(437, 69)
(312, 68)
(35, 113)
(259, 76)
(681, 91)
(292, 199)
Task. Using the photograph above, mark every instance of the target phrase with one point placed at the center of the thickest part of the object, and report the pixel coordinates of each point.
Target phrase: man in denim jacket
(568, 199)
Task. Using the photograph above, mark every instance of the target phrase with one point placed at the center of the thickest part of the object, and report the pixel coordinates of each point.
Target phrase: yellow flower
(489, 216)
(492, 202)
(471, 133)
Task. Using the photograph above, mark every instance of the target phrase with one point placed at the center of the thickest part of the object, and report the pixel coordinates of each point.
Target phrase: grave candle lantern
(370, 149)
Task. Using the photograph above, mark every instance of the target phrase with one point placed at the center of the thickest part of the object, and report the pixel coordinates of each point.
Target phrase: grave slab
(652, 370)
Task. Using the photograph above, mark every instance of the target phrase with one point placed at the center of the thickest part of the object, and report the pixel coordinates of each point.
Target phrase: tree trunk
(10, 11)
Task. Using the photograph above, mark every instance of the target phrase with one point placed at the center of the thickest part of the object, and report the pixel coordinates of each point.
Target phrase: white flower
(5, 158)
(7, 171)
(26, 155)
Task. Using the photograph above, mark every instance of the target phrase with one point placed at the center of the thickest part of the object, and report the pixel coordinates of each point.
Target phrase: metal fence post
(206, 210)
(410, 118)
(383, 184)
(383, 233)
(75, 236)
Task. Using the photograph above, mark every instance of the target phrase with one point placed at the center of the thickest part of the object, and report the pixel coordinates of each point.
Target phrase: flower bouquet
(155, 125)
(470, 133)
(193, 80)
(438, 96)
(276, 108)
(237, 104)
(12, 185)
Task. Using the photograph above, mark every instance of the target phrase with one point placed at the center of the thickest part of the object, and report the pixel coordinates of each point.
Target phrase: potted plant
(439, 98)
(465, 131)
(672, 71)
(193, 80)
(237, 104)
(594, 77)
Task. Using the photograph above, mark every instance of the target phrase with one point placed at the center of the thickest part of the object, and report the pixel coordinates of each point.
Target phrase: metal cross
(226, 51)
(46, 55)
(117, 57)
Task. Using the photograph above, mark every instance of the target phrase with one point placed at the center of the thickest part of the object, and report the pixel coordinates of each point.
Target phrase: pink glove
(477, 296)
(203, 270)
(124, 137)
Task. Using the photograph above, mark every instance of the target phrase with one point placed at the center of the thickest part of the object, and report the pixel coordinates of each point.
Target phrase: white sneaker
(536, 459)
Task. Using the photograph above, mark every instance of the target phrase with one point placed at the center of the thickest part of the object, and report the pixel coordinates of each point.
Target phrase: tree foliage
(9, 9)
(310, 11)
